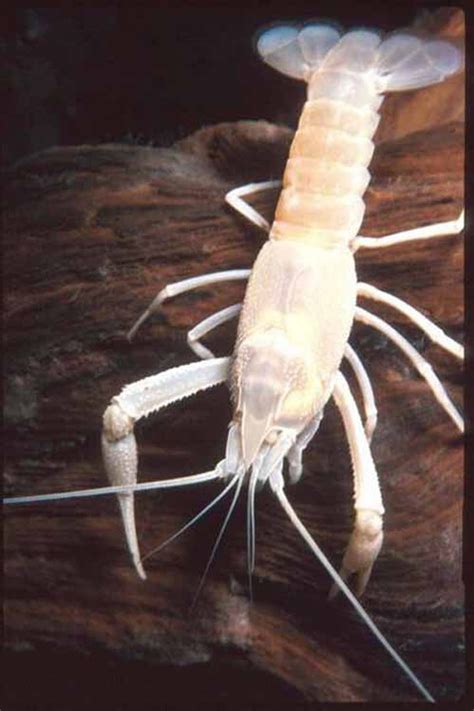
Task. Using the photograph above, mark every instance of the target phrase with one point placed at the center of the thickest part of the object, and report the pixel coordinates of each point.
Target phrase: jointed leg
(366, 539)
(366, 390)
(234, 199)
(207, 325)
(439, 229)
(138, 400)
(422, 365)
(180, 287)
(433, 332)
(295, 454)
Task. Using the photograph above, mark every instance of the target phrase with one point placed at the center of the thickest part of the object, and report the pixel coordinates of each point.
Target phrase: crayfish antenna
(192, 521)
(218, 540)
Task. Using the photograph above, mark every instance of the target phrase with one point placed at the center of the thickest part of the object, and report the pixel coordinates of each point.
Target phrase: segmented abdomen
(347, 75)
(326, 173)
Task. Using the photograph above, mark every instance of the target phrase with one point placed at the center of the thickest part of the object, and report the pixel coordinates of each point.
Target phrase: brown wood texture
(92, 233)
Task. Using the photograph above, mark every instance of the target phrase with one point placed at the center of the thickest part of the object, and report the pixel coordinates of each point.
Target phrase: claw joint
(364, 546)
(369, 524)
(117, 424)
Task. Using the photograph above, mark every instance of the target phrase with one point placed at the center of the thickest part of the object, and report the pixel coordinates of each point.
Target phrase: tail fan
(400, 61)
(406, 61)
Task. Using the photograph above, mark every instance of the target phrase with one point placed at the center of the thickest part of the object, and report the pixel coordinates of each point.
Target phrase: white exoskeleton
(300, 301)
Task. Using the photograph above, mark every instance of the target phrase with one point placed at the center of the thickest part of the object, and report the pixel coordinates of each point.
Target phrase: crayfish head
(275, 392)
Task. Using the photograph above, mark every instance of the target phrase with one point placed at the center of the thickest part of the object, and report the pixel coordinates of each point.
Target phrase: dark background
(151, 75)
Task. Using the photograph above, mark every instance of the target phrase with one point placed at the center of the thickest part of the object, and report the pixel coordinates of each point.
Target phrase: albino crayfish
(300, 302)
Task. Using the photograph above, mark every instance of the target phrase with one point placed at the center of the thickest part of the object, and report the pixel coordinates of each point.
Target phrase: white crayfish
(300, 302)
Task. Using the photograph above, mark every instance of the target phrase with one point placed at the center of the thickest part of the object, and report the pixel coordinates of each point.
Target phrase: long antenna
(218, 540)
(123, 489)
(195, 518)
(251, 529)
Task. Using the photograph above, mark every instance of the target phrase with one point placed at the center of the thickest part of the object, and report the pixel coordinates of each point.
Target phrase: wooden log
(92, 233)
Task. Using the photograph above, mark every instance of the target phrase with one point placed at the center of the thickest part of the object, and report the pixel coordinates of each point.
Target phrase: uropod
(300, 302)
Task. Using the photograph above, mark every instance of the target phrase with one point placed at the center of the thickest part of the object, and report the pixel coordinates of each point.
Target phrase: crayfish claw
(364, 546)
(119, 451)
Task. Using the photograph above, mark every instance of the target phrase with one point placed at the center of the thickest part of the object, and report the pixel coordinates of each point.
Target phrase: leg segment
(436, 334)
(366, 539)
(180, 287)
(439, 229)
(234, 199)
(207, 325)
(138, 400)
(295, 454)
(366, 390)
(422, 365)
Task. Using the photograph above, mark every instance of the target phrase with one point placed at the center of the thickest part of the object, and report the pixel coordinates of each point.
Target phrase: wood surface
(92, 233)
